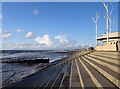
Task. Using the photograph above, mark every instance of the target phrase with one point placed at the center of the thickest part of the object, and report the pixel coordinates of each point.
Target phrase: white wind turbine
(96, 22)
(111, 20)
(107, 17)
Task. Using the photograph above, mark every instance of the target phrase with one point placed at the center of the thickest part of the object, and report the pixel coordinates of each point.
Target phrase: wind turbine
(107, 16)
(96, 22)
(110, 20)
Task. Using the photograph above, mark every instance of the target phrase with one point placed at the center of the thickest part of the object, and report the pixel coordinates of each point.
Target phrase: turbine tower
(110, 20)
(96, 22)
(107, 16)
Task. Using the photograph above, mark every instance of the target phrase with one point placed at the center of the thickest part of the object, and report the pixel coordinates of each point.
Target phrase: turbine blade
(93, 19)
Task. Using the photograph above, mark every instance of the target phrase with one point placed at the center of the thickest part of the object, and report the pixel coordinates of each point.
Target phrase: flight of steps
(98, 69)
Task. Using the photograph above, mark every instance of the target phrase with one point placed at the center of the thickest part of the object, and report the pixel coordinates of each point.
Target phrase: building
(112, 45)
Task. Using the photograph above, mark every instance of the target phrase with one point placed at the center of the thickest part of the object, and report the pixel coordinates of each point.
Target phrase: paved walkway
(82, 69)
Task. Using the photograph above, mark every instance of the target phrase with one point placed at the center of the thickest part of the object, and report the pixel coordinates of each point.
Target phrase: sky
(52, 25)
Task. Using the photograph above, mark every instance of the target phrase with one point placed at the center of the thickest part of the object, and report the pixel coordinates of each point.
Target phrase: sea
(12, 72)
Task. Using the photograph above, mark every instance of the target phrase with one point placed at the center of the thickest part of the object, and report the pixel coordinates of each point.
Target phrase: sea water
(12, 72)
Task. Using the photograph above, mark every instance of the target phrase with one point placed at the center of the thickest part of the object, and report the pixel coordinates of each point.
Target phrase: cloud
(45, 40)
(0, 30)
(0, 16)
(22, 45)
(66, 43)
(29, 35)
(43, 43)
(19, 30)
(25, 46)
(6, 35)
(19, 45)
(35, 12)
(62, 39)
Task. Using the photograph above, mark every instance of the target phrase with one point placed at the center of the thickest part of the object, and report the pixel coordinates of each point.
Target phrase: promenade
(95, 69)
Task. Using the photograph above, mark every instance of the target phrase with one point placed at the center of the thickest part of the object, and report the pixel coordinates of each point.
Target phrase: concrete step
(74, 77)
(108, 55)
(87, 77)
(84, 76)
(82, 53)
(106, 72)
(98, 79)
(111, 53)
(104, 59)
(112, 67)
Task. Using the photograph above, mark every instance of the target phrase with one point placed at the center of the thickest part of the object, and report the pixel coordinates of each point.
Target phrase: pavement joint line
(91, 75)
(80, 77)
(43, 82)
(64, 76)
(50, 80)
(57, 65)
(71, 75)
(56, 79)
(104, 73)
(114, 68)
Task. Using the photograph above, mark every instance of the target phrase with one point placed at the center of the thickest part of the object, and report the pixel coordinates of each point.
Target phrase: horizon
(52, 25)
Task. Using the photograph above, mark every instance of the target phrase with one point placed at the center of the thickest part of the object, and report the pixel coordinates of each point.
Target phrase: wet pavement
(82, 69)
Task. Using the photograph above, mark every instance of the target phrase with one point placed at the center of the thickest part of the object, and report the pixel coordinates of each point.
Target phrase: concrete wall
(119, 46)
(110, 46)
